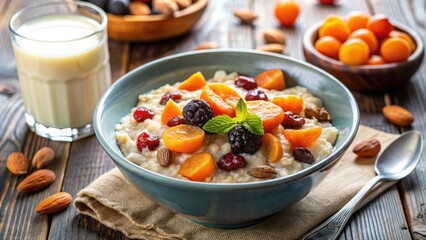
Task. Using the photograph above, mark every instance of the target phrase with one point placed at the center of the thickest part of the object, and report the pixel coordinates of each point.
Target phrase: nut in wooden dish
(174, 21)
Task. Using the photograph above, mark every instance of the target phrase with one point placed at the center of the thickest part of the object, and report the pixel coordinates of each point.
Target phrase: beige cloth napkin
(114, 202)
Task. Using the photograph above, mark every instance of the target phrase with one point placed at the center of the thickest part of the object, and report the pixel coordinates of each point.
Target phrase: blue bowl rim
(156, 177)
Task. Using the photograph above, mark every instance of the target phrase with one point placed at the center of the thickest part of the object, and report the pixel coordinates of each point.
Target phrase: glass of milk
(62, 58)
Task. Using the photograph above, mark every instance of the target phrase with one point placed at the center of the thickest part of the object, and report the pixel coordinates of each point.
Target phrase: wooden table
(399, 213)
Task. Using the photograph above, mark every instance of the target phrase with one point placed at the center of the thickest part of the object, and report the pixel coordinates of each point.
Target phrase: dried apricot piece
(270, 114)
(379, 24)
(368, 37)
(354, 52)
(271, 145)
(183, 138)
(335, 28)
(291, 103)
(357, 20)
(328, 46)
(395, 49)
(332, 17)
(376, 60)
(302, 137)
(171, 110)
(198, 167)
(271, 79)
(221, 98)
(194, 82)
(411, 42)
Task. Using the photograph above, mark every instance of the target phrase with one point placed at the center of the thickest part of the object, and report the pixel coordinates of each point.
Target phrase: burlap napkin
(114, 202)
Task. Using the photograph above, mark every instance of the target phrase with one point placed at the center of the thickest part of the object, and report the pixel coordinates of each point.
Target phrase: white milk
(62, 80)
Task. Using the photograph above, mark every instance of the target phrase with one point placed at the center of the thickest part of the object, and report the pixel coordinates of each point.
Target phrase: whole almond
(167, 7)
(183, 3)
(245, 16)
(17, 163)
(37, 180)
(164, 156)
(274, 35)
(368, 148)
(398, 115)
(272, 47)
(207, 45)
(55, 203)
(139, 8)
(43, 157)
(262, 172)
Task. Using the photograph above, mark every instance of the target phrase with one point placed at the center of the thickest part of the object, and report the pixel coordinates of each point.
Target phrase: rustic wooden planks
(412, 97)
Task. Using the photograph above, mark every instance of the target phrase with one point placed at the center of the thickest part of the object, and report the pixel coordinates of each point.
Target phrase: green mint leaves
(224, 123)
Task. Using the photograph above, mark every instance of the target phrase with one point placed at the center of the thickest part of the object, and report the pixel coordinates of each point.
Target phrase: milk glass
(62, 58)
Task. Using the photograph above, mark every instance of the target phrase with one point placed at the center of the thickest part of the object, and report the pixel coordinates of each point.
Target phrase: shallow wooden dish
(154, 27)
(366, 78)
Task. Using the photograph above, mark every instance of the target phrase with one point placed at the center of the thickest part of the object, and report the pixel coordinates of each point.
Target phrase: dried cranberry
(256, 94)
(302, 154)
(292, 120)
(175, 96)
(142, 113)
(178, 120)
(230, 161)
(147, 140)
(245, 82)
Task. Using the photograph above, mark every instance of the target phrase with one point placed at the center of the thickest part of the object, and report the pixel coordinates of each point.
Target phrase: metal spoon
(397, 161)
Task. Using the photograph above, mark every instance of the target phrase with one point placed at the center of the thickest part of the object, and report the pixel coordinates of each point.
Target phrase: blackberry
(243, 141)
(197, 112)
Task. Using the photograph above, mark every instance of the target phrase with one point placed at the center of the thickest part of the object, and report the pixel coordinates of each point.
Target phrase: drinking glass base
(59, 134)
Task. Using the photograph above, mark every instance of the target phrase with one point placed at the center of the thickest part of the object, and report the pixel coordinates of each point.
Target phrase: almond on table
(17, 163)
(37, 180)
(54, 203)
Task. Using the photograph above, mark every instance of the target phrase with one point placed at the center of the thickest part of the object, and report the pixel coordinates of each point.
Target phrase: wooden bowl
(366, 78)
(154, 27)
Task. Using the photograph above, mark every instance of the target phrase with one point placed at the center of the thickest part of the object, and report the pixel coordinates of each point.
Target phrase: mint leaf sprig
(224, 123)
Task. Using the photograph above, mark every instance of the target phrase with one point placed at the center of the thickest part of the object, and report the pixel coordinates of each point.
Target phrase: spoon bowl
(401, 157)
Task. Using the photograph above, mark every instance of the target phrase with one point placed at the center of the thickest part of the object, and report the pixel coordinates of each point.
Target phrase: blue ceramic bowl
(225, 204)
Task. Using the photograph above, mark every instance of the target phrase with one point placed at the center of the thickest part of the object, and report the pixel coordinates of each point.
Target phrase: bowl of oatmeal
(226, 137)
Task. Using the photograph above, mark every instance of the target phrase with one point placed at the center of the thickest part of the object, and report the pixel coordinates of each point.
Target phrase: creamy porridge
(274, 161)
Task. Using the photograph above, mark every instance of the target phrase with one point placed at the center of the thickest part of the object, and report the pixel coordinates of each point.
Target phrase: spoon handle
(331, 228)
